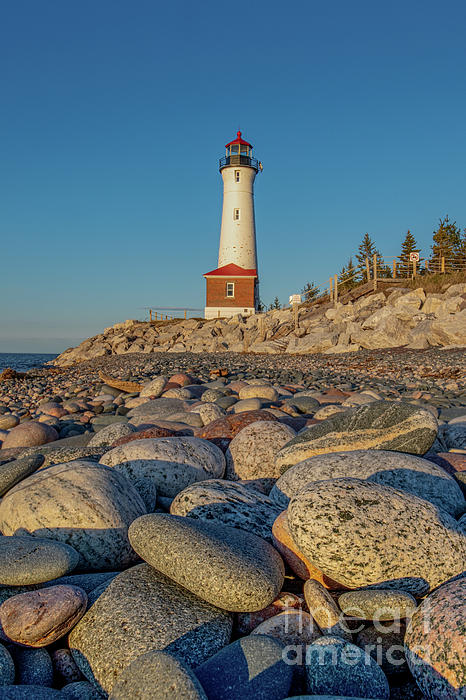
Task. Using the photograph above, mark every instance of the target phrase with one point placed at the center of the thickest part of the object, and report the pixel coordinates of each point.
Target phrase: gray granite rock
(15, 471)
(33, 666)
(325, 611)
(81, 690)
(28, 560)
(363, 534)
(435, 643)
(159, 676)
(304, 404)
(385, 645)
(142, 610)
(402, 471)
(110, 433)
(7, 667)
(88, 582)
(30, 692)
(251, 453)
(381, 425)
(229, 568)
(69, 453)
(228, 503)
(80, 503)
(258, 391)
(158, 408)
(340, 668)
(251, 668)
(171, 463)
(155, 387)
(373, 604)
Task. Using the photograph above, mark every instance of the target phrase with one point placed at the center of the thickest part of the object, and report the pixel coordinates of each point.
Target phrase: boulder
(29, 434)
(28, 560)
(251, 454)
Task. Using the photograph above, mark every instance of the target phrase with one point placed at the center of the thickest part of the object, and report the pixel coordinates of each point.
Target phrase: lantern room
(238, 152)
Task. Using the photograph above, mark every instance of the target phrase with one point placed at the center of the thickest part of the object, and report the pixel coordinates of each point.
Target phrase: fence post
(368, 271)
(295, 316)
(394, 268)
(150, 315)
(185, 314)
(330, 288)
(414, 268)
(442, 264)
(335, 289)
(374, 265)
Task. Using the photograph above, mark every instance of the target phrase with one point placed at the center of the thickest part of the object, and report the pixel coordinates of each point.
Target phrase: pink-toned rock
(290, 627)
(143, 434)
(38, 618)
(295, 559)
(181, 379)
(52, 409)
(230, 425)
(435, 643)
(30, 434)
(246, 622)
(251, 454)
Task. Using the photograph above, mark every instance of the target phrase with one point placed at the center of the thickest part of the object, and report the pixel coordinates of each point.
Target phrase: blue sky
(113, 115)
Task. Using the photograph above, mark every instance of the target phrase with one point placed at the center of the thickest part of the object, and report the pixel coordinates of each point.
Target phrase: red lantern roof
(231, 270)
(239, 140)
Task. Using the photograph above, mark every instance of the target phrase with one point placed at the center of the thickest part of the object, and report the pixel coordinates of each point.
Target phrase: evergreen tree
(446, 242)
(310, 291)
(460, 253)
(408, 246)
(347, 278)
(366, 249)
(275, 304)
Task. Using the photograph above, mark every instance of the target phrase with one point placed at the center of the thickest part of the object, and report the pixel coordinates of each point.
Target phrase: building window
(235, 214)
(237, 175)
(230, 289)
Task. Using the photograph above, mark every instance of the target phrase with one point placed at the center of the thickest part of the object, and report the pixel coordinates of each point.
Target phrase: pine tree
(408, 246)
(275, 304)
(347, 277)
(460, 253)
(310, 291)
(366, 249)
(446, 241)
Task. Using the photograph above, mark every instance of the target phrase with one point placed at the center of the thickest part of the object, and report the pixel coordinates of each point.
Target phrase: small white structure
(234, 286)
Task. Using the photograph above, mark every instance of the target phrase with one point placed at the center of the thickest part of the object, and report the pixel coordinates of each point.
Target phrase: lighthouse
(233, 287)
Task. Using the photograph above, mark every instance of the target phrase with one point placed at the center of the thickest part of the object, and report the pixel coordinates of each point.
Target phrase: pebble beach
(230, 526)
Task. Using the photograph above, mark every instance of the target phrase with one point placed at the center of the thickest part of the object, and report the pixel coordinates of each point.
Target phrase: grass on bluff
(435, 284)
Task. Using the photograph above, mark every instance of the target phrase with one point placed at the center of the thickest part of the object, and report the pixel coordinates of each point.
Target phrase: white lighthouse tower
(234, 286)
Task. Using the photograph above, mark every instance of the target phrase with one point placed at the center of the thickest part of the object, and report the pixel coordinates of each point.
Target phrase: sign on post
(414, 257)
(295, 299)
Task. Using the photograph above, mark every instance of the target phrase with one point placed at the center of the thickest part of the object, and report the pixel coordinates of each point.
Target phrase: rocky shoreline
(395, 317)
(194, 525)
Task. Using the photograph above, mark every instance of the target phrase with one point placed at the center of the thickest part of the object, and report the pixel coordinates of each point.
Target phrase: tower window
(236, 214)
(230, 289)
(237, 175)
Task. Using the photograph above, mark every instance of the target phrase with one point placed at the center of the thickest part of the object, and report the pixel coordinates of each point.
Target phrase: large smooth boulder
(80, 503)
(28, 560)
(142, 610)
(364, 534)
(170, 464)
(381, 425)
(251, 454)
(229, 568)
(15, 471)
(435, 643)
(29, 434)
(228, 503)
(402, 471)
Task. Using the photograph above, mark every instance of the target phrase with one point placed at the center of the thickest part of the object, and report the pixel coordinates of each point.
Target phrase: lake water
(22, 361)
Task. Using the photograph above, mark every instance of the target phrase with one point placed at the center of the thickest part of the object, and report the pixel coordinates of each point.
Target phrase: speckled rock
(155, 432)
(247, 405)
(28, 560)
(232, 569)
(155, 387)
(435, 643)
(159, 676)
(39, 618)
(251, 454)
(454, 463)
(227, 503)
(295, 559)
(15, 471)
(30, 692)
(64, 667)
(381, 425)
(210, 412)
(158, 408)
(246, 622)
(377, 605)
(53, 501)
(88, 582)
(385, 645)
(171, 464)
(29, 434)
(325, 412)
(7, 667)
(81, 690)
(325, 611)
(364, 534)
(251, 668)
(231, 425)
(340, 668)
(33, 666)
(63, 455)
(401, 471)
(144, 606)
(304, 404)
(259, 392)
(110, 433)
